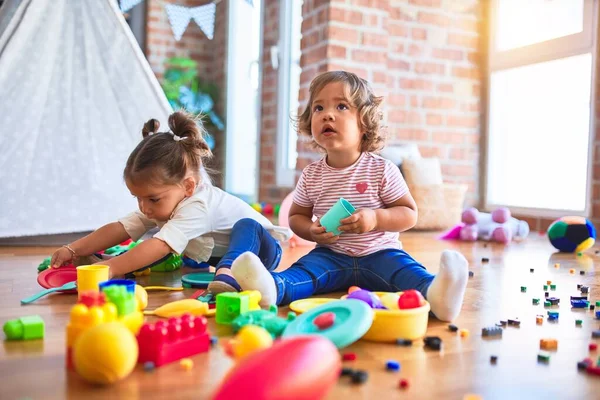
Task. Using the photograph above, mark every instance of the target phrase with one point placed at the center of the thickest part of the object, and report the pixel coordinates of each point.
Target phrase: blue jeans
(248, 235)
(324, 271)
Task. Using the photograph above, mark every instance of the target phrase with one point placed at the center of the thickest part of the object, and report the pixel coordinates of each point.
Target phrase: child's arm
(140, 256)
(107, 236)
(399, 216)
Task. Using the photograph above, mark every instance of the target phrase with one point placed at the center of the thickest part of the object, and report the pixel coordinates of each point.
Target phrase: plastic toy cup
(90, 276)
(129, 284)
(340, 210)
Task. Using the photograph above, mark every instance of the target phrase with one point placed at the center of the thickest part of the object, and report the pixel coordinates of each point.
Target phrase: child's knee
(247, 223)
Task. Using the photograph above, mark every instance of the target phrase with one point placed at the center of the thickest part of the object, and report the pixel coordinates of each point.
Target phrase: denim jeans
(248, 235)
(324, 271)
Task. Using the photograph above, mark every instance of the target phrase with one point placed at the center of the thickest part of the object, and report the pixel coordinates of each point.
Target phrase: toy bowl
(389, 325)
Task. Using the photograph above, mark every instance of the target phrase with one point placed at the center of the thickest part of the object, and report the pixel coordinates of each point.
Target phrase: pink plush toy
(499, 226)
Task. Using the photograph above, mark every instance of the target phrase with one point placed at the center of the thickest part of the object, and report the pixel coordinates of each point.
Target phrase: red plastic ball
(268, 209)
(325, 320)
(410, 299)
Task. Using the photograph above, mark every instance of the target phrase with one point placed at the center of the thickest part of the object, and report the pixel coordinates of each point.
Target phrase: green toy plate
(303, 305)
(197, 280)
(353, 318)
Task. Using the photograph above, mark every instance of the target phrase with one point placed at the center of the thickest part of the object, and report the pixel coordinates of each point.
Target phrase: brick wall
(210, 54)
(422, 55)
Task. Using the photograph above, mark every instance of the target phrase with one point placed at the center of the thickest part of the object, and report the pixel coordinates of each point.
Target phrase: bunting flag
(127, 5)
(179, 17)
(205, 18)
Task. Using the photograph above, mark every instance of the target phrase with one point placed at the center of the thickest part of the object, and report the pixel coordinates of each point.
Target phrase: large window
(540, 113)
(289, 86)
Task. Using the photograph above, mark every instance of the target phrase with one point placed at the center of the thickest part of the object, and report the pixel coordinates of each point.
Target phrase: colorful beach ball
(572, 234)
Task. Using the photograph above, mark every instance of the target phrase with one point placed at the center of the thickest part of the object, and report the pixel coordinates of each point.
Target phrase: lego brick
(579, 303)
(122, 298)
(535, 302)
(232, 305)
(24, 328)
(548, 344)
(491, 331)
(166, 341)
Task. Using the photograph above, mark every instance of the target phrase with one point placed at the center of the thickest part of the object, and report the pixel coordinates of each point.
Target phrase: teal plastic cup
(340, 210)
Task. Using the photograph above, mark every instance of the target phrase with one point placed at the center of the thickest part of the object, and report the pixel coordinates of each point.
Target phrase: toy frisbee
(56, 277)
(197, 280)
(353, 318)
(303, 305)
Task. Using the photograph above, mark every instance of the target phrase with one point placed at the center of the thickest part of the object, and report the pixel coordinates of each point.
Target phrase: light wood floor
(35, 370)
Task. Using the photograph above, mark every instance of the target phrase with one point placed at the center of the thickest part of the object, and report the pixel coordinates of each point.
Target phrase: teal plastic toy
(198, 280)
(267, 319)
(340, 210)
(353, 318)
(123, 299)
(24, 328)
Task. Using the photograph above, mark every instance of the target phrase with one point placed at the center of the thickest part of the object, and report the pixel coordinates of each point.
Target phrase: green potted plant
(185, 89)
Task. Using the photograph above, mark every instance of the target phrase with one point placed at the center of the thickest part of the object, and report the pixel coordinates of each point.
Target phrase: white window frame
(284, 176)
(554, 49)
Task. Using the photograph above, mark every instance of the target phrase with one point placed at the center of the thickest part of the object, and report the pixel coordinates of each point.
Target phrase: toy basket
(440, 206)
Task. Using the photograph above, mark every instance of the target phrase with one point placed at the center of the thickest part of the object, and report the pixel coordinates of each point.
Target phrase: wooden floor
(35, 370)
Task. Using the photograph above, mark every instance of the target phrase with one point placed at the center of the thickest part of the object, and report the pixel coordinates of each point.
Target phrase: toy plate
(56, 277)
(197, 280)
(353, 318)
(302, 306)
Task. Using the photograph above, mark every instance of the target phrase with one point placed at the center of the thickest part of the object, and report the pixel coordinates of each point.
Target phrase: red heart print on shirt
(361, 187)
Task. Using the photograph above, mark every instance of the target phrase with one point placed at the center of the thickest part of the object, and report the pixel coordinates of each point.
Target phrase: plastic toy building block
(580, 303)
(535, 302)
(543, 357)
(231, 305)
(523, 289)
(539, 319)
(84, 317)
(45, 264)
(545, 288)
(514, 322)
(24, 328)
(578, 322)
(433, 342)
(123, 299)
(596, 334)
(171, 262)
(547, 304)
(92, 299)
(167, 341)
(491, 331)
(584, 289)
(553, 287)
(267, 319)
(548, 344)
(552, 315)
(579, 298)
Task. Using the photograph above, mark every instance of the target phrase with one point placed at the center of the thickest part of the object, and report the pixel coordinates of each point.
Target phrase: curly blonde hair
(360, 95)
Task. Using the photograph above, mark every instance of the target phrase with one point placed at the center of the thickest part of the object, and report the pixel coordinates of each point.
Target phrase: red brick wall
(423, 56)
(210, 54)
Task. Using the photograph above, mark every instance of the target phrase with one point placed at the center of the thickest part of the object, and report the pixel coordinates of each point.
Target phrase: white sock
(251, 274)
(446, 292)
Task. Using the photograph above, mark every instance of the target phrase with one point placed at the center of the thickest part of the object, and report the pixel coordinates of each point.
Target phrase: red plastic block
(92, 298)
(349, 356)
(403, 384)
(167, 341)
(593, 347)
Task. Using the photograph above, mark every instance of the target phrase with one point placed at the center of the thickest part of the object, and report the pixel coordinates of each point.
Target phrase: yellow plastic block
(548, 344)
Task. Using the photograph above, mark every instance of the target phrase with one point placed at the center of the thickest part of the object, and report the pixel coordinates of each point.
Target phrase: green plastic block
(598, 304)
(544, 357)
(523, 289)
(536, 302)
(578, 322)
(172, 263)
(229, 306)
(267, 319)
(552, 287)
(45, 264)
(545, 288)
(121, 298)
(547, 304)
(25, 328)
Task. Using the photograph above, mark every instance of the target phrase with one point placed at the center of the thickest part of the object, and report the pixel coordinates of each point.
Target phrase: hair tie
(177, 138)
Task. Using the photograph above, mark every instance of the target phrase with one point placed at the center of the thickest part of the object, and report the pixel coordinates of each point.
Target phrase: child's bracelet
(66, 246)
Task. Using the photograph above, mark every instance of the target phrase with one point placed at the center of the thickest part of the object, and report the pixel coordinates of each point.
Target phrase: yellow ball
(390, 300)
(105, 353)
(142, 297)
(250, 338)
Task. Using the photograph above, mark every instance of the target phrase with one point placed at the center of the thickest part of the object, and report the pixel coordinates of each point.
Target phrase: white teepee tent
(75, 90)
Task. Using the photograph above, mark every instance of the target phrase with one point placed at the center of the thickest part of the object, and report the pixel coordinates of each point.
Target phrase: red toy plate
(56, 277)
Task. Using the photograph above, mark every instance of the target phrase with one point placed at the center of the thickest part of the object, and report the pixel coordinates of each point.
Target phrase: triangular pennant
(205, 18)
(127, 5)
(179, 17)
